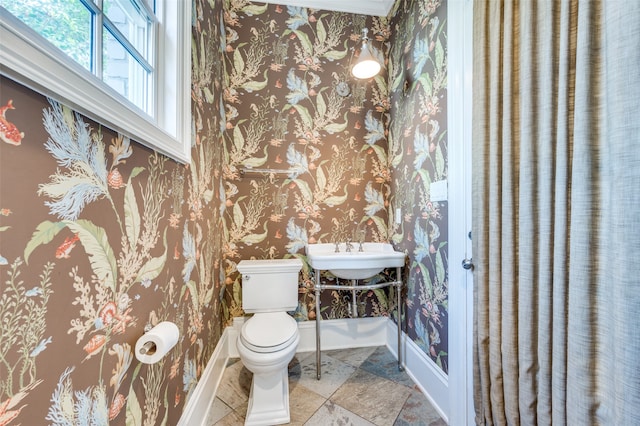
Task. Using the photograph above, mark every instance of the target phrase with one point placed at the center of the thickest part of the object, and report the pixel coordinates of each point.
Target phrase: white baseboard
(201, 400)
(425, 373)
(343, 333)
(335, 334)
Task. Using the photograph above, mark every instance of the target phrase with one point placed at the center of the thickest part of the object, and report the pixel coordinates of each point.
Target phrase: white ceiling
(362, 7)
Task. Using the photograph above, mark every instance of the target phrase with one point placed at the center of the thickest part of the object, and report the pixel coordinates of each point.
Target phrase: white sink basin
(354, 265)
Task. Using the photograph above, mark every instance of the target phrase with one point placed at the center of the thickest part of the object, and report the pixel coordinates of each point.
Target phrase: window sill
(40, 67)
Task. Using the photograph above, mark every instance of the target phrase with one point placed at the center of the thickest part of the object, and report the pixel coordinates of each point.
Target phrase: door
(460, 21)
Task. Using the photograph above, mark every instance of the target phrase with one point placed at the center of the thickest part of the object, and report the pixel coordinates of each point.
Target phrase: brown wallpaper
(353, 159)
(283, 113)
(418, 153)
(100, 238)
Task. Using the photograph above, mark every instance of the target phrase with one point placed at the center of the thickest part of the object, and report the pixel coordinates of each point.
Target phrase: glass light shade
(366, 66)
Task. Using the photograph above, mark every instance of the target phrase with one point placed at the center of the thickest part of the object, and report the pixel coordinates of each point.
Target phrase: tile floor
(358, 387)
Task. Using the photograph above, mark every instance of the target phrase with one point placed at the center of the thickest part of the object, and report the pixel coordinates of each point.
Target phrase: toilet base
(269, 399)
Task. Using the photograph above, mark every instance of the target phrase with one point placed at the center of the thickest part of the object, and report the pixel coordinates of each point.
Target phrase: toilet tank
(269, 285)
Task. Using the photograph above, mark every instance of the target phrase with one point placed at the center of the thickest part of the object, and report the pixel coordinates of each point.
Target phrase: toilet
(269, 339)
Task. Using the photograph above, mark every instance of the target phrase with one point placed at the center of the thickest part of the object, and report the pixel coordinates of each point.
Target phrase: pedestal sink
(354, 264)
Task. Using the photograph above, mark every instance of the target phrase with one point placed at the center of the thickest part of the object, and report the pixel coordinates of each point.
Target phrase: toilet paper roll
(155, 343)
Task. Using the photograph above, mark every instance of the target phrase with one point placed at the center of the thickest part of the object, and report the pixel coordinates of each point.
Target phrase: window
(101, 58)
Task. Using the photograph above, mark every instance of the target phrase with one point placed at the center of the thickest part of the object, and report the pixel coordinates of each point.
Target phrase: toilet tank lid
(269, 265)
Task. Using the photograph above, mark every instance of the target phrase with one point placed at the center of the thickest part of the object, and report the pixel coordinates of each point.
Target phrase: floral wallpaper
(347, 162)
(329, 151)
(418, 156)
(100, 240)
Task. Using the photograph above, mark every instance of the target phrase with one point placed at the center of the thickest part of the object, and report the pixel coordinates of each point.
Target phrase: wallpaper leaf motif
(255, 9)
(375, 200)
(297, 237)
(74, 147)
(381, 170)
(421, 238)
(421, 332)
(188, 252)
(298, 89)
(328, 40)
(190, 375)
(120, 150)
(191, 291)
(255, 85)
(154, 266)
(307, 129)
(375, 129)
(321, 32)
(297, 162)
(298, 17)
(45, 233)
(439, 48)
(421, 149)
(132, 220)
(321, 105)
(256, 238)
(71, 407)
(420, 56)
(333, 128)
(100, 254)
(134, 410)
(306, 49)
(93, 239)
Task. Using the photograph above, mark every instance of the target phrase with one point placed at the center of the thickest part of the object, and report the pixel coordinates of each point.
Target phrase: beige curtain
(556, 205)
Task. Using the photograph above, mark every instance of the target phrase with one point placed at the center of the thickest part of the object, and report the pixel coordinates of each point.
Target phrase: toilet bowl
(268, 340)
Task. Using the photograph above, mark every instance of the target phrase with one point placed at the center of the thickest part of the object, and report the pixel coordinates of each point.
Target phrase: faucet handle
(337, 247)
(360, 235)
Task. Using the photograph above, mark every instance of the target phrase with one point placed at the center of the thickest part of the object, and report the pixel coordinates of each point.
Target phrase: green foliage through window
(124, 28)
(66, 24)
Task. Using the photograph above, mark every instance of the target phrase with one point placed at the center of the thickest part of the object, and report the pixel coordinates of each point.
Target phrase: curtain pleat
(556, 212)
(586, 193)
(563, 136)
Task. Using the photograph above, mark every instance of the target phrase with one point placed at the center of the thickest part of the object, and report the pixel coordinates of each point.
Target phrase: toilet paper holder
(149, 348)
(156, 343)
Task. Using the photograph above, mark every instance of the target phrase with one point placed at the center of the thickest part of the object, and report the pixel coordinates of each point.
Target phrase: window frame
(28, 58)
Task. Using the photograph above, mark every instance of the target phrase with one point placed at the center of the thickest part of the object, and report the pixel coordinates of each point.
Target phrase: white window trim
(43, 68)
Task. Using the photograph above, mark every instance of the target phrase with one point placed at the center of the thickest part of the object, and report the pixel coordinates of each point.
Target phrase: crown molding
(362, 7)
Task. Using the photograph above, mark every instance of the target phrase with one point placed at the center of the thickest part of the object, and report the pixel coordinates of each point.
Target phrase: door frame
(459, 110)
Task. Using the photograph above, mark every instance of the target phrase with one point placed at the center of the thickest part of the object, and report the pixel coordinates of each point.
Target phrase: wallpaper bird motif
(102, 238)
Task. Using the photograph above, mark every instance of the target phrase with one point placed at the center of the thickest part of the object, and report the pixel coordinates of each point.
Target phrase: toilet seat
(269, 332)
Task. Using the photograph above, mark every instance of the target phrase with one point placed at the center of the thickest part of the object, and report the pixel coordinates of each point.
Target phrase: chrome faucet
(348, 245)
(337, 247)
(360, 235)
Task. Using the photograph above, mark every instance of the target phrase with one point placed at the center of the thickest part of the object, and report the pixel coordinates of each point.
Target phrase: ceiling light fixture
(366, 65)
